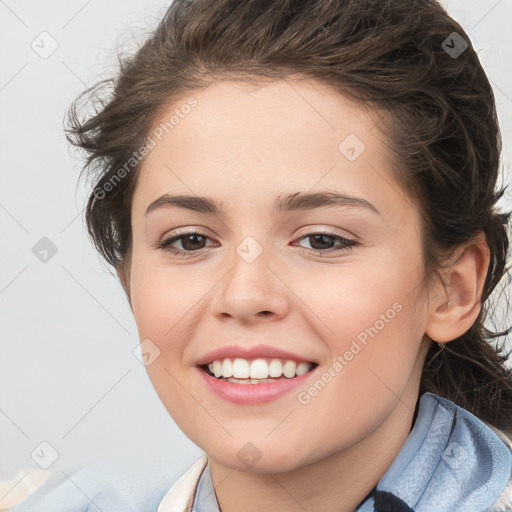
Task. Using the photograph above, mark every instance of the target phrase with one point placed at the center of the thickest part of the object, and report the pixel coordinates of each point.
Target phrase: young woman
(299, 199)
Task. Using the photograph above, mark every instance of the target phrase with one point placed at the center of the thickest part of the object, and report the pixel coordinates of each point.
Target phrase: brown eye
(322, 242)
(191, 242)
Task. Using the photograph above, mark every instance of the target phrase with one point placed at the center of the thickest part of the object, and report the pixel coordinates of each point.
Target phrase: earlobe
(457, 302)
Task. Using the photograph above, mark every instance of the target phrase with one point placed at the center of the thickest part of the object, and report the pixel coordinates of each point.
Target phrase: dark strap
(387, 502)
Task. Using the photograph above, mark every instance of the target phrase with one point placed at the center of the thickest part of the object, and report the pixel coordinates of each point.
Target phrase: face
(337, 284)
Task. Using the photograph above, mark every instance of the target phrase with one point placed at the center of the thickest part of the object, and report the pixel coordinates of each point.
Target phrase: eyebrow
(290, 202)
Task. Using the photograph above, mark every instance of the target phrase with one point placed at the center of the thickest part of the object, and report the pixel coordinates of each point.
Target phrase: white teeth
(302, 368)
(217, 368)
(227, 368)
(258, 370)
(289, 369)
(240, 369)
(248, 381)
(275, 368)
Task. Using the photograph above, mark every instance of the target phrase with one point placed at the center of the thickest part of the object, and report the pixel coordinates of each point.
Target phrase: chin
(249, 458)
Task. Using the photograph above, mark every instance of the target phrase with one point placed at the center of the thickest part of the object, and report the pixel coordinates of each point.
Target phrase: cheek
(372, 322)
(163, 299)
(363, 301)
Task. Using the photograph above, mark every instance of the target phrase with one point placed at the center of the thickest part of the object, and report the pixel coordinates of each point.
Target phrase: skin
(243, 146)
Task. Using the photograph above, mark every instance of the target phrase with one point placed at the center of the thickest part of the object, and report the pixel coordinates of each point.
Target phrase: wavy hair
(407, 60)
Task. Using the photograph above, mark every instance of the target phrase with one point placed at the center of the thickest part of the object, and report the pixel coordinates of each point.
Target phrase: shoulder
(78, 491)
(486, 457)
(111, 484)
(504, 501)
(21, 486)
(452, 461)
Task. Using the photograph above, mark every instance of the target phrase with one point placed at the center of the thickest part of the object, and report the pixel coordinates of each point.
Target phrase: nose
(250, 291)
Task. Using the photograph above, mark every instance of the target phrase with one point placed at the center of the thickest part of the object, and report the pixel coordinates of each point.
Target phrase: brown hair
(403, 59)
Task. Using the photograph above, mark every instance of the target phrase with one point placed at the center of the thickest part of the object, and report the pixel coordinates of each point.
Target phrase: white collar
(180, 497)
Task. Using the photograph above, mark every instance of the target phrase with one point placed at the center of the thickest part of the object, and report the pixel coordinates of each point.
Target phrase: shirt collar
(451, 460)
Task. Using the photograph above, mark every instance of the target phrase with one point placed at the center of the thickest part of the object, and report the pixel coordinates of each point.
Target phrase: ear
(457, 302)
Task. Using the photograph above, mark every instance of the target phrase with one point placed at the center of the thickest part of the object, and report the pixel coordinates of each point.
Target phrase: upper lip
(250, 352)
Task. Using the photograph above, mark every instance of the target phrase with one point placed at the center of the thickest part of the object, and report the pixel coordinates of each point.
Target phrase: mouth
(256, 371)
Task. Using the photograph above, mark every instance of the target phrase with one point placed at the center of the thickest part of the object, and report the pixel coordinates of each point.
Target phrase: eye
(319, 241)
(192, 242)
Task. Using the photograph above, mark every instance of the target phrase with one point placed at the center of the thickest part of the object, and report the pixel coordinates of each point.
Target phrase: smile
(256, 371)
(244, 381)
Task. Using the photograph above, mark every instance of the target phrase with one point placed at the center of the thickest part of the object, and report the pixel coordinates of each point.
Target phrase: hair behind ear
(123, 273)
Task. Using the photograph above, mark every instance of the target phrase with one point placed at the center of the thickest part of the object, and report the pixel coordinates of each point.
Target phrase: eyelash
(164, 244)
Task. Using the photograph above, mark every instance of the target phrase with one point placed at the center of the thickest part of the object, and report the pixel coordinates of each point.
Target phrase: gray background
(68, 374)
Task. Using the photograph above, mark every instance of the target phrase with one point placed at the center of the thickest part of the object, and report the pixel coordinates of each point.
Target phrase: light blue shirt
(450, 462)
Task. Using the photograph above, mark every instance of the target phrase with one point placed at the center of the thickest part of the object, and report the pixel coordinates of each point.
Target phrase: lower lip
(252, 393)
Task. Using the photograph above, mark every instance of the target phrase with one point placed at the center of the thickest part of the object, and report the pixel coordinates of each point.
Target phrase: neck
(337, 483)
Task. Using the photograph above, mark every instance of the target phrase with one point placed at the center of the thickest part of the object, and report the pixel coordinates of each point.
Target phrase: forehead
(252, 139)
(283, 108)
